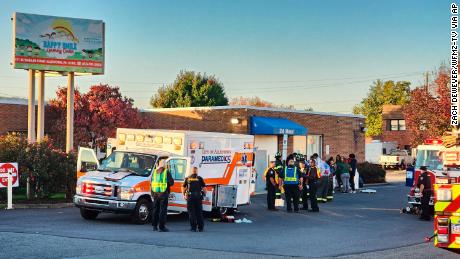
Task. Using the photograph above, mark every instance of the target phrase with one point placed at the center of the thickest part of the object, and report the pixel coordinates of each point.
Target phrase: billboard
(58, 44)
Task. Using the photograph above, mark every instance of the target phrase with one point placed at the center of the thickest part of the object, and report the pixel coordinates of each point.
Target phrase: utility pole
(426, 81)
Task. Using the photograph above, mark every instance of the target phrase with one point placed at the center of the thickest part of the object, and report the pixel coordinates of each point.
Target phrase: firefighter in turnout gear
(160, 187)
(278, 168)
(278, 162)
(194, 191)
(292, 182)
(330, 190)
(424, 184)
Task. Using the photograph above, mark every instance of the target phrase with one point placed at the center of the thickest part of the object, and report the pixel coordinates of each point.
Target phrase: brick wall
(341, 133)
(400, 137)
(13, 117)
(393, 112)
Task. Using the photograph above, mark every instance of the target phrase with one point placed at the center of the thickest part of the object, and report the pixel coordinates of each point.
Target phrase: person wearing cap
(424, 185)
(270, 175)
(292, 183)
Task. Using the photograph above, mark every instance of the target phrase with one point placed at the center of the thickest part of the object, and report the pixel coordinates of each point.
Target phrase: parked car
(396, 159)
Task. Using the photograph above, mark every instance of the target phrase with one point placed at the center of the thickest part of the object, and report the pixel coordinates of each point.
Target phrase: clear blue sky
(322, 54)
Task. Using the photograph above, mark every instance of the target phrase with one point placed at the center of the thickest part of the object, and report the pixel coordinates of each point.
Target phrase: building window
(396, 125)
(402, 124)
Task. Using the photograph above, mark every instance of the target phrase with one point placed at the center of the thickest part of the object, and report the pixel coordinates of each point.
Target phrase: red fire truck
(426, 155)
(447, 200)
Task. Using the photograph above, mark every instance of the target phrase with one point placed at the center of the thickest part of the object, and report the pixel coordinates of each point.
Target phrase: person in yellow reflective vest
(292, 182)
(160, 188)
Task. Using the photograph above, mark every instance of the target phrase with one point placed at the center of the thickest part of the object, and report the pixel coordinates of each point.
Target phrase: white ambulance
(121, 182)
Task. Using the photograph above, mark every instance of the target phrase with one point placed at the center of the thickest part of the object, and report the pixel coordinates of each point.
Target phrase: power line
(234, 82)
(269, 89)
(327, 79)
(303, 87)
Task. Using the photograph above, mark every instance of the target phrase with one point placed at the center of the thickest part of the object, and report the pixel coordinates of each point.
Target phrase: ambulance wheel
(88, 214)
(142, 211)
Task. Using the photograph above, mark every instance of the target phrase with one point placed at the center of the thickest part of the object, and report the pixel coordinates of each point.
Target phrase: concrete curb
(43, 206)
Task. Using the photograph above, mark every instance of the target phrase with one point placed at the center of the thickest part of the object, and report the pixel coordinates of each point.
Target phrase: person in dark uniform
(424, 184)
(303, 170)
(194, 190)
(160, 188)
(292, 184)
(270, 175)
(312, 177)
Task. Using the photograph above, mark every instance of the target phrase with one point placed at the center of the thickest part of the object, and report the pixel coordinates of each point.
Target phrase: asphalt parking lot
(352, 226)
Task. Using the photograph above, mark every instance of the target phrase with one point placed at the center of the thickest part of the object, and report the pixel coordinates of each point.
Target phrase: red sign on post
(5, 169)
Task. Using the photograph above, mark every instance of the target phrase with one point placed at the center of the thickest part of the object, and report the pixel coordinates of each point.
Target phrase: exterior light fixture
(235, 121)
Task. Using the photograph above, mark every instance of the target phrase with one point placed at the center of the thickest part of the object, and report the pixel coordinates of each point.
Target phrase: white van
(121, 183)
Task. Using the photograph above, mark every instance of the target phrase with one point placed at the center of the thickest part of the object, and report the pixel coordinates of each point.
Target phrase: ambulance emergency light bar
(122, 138)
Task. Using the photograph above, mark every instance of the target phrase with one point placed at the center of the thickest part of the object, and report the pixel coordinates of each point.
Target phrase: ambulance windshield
(119, 161)
(428, 158)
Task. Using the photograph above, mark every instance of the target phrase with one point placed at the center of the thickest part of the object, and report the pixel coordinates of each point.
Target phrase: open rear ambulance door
(86, 161)
(243, 174)
(180, 168)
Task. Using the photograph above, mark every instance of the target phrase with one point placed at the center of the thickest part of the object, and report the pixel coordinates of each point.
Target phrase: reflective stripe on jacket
(159, 183)
(290, 179)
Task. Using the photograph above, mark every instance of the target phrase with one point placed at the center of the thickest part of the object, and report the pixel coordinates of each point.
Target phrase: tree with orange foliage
(427, 114)
(98, 113)
(258, 102)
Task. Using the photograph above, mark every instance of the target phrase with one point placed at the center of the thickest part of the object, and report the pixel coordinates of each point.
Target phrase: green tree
(190, 90)
(381, 93)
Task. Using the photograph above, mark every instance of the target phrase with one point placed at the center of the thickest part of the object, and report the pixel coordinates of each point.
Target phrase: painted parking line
(382, 209)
